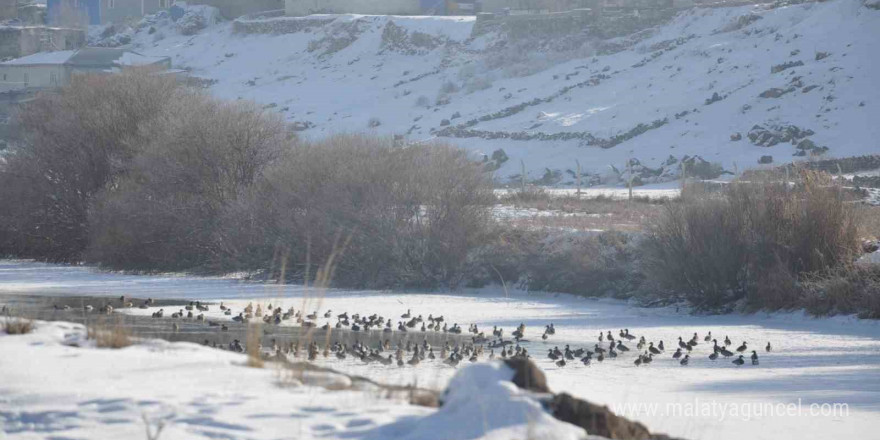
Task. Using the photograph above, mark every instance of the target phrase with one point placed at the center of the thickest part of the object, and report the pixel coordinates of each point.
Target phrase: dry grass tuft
(252, 345)
(113, 335)
(17, 326)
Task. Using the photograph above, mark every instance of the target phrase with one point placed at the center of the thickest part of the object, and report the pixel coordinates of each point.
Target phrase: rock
(775, 92)
(597, 420)
(784, 66)
(765, 159)
(715, 98)
(444, 122)
(527, 375)
(822, 55)
(736, 137)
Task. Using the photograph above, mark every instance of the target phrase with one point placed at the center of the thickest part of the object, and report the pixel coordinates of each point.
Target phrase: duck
(406, 315)
(328, 313)
(714, 355)
(708, 337)
(742, 348)
(754, 358)
(628, 336)
(725, 352)
(768, 348)
(660, 346)
(681, 343)
(601, 337)
(727, 341)
(159, 314)
(677, 354)
(612, 354)
(560, 363)
(684, 361)
(622, 347)
(239, 318)
(739, 361)
(312, 316)
(599, 358)
(653, 349)
(638, 361)
(222, 306)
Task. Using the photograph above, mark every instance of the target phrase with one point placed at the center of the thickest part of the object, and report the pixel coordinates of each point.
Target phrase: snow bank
(482, 402)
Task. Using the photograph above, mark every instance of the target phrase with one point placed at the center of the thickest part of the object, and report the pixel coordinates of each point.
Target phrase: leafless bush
(70, 145)
(752, 240)
(252, 345)
(195, 160)
(601, 264)
(848, 289)
(409, 214)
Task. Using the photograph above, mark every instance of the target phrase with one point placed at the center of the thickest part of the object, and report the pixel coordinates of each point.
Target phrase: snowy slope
(339, 73)
(814, 361)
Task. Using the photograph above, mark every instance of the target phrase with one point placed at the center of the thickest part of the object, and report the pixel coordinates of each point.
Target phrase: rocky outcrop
(775, 134)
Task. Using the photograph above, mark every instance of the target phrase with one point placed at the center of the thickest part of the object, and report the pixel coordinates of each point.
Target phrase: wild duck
(638, 361)
(708, 337)
(653, 349)
(681, 343)
(406, 315)
(601, 337)
(739, 361)
(622, 347)
(725, 352)
(768, 348)
(312, 316)
(628, 336)
(601, 357)
(328, 313)
(677, 353)
(742, 348)
(684, 361)
(612, 354)
(560, 363)
(754, 358)
(727, 341)
(660, 346)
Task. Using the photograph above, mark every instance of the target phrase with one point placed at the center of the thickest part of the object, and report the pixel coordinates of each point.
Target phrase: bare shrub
(409, 214)
(752, 240)
(601, 264)
(71, 144)
(848, 289)
(196, 159)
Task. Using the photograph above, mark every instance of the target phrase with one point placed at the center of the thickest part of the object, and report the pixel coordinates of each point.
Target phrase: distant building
(96, 12)
(47, 70)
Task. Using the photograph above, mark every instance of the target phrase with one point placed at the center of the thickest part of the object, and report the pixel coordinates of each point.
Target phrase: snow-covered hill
(806, 75)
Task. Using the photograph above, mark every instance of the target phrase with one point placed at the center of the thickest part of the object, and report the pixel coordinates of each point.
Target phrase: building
(97, 12)
(47, 70)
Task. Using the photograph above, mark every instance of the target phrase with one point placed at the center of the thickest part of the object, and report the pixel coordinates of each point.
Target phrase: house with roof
(97, 12)
(47, 70)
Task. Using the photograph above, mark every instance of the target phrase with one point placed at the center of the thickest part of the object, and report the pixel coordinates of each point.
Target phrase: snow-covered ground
(56, 385)
(814, 362)
(340, 74)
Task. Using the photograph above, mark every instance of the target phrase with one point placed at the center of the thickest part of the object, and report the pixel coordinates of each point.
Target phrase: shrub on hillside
(70, 145)
(402, 215)
(752, 240)
(194, 161)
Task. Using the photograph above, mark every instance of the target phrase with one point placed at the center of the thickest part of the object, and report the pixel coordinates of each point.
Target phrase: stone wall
(232, 9)
(299, 8)
(19, 41)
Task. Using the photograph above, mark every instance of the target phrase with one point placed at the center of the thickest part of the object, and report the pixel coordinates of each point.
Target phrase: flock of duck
(647, 350)
(408, 352)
